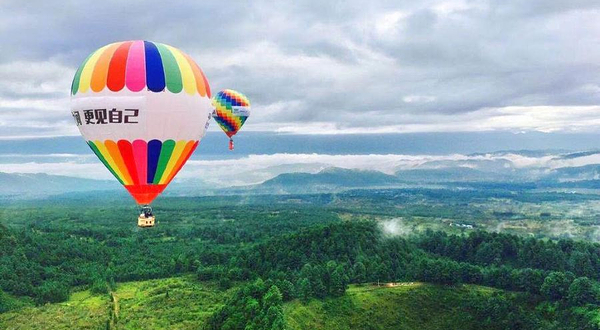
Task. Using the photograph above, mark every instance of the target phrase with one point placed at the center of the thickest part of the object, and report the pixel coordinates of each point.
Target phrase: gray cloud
(313, 66)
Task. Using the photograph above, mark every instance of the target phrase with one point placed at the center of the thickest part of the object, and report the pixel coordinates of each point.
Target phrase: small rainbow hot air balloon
(142, 107)
(231, 111)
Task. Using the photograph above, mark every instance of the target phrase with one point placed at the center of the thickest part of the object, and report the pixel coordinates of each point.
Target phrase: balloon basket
(146, 218)
(230, 144)
(145, 222)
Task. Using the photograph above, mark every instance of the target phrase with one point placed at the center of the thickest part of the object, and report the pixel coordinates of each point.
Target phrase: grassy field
(83, 310)
(173, 303)
(185, 303)
(407, 306)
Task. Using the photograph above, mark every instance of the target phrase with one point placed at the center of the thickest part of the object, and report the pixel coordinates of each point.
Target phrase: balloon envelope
(231, 110)
(142, 107)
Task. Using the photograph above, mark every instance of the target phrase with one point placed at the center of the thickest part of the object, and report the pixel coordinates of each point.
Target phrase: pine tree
(304, 290)
(273, 297)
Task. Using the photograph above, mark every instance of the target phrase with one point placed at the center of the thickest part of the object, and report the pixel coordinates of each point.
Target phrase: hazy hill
(328, 179)
(256, 176)
(587, 172)
(578, 154)
(446, 174)
(40, 184)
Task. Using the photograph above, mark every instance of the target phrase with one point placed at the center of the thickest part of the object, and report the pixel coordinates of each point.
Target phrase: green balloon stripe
(163, 160)
(75, 84)
(172, 73)
(99, 154)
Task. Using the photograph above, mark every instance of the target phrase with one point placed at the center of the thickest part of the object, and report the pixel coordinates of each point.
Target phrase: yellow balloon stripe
(86, 74)
(102, 148)
(179, 146)
(187, 75)
(187, 150)
(113, 148)
(200, 85)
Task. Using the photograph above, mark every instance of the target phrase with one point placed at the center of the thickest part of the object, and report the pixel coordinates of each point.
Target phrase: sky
(328, 67)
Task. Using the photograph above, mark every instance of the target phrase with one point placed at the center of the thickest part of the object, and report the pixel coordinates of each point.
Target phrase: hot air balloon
(231, 111)
(142, 108)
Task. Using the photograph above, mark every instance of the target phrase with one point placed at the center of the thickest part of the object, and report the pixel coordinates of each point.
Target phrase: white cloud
(387, 25)
(313, 67)
(34, 99)
(576, 119)
(35, 77)
(418, 99)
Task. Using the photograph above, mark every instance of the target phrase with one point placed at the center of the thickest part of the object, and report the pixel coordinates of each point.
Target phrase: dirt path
(115, 305)
(113, 317)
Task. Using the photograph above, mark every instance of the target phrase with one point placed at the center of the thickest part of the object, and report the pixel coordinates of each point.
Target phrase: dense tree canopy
(273, 256)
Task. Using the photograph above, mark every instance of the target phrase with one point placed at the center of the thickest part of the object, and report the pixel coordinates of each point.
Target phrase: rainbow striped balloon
(140, 65)
(142, 107)
(232, 109)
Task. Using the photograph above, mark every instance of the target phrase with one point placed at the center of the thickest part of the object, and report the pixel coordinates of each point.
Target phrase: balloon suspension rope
(230, 144)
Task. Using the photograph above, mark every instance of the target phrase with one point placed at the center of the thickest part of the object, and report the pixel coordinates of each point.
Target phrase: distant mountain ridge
(329, 179)
(312, 178)
(40, 184)
(332, 179)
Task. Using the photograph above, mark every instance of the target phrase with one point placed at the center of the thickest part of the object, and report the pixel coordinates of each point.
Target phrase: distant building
(461, 225)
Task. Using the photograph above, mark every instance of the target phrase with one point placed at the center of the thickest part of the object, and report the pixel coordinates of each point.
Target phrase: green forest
(291, 262)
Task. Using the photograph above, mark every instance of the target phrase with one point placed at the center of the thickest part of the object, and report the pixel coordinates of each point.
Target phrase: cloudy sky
(328, 66)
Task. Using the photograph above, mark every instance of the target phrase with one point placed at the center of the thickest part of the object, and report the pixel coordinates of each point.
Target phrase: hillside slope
(408, 306)
(171, 303)
(185, 303)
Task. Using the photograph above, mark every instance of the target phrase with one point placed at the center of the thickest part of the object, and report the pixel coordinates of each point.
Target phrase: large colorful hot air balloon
(231, 111)
(142, 107)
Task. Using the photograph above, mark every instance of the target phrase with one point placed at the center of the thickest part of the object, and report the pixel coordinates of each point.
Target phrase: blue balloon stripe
(155, 73)
(154, 147)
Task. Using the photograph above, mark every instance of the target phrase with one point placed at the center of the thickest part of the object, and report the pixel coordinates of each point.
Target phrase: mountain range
(548, 170)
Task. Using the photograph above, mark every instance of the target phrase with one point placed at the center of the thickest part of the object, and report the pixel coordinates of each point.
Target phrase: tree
(581, 292)
(279, 323)
(382, 272)
(489, 253)
(304, 290)
(287, 290)
(470, 273)
(581, 264)
(5, 303)
(530, 280)
(225, 283)
(99, 285)
(252, 307)
(52, 291)
(339, 282)
(273, 318)
(360, 272)
(556, 285)
(444, 272)
(306, 271)
(273, 297)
